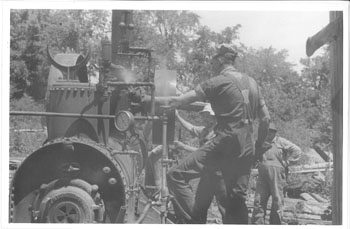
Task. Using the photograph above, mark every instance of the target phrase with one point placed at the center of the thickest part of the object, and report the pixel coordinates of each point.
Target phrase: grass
(22, 143)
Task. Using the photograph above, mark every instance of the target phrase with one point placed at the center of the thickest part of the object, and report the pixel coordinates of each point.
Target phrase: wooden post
(333, 33)
(336, 63)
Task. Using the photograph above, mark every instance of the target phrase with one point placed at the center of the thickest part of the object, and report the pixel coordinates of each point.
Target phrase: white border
(184, 5)
(165, 5)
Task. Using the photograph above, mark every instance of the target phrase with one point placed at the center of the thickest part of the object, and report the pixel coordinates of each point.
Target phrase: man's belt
(226, 120)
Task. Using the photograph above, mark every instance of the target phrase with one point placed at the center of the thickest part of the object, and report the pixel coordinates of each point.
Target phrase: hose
(144, 212)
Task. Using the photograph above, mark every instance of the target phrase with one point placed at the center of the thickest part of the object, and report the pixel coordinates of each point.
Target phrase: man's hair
(272, 127)
(228, 52)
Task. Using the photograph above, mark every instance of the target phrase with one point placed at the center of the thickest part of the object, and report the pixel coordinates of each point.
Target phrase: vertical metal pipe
(153, 102)
(164, 190)
(106, 53)
(116, 33)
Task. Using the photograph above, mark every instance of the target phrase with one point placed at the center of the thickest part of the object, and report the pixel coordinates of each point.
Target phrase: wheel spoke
(59, 212)
(68, 208)
(72, 211)
(63, 209)
(60, 218)
(73, 218)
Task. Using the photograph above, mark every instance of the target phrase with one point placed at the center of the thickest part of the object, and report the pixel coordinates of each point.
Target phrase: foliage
(24, 143)
(63, 30)
(317, 100)
(299, 103)
(166, 32)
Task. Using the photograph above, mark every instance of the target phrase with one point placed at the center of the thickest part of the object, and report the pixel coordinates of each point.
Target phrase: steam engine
(89, 170)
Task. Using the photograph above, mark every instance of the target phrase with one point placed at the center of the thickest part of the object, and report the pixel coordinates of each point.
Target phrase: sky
(281, 30)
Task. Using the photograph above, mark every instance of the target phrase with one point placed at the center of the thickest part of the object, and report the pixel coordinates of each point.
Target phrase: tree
(63, 30)
(299, 103)
(317, 99)
(166, 32)
(18, 69)
(200, 50)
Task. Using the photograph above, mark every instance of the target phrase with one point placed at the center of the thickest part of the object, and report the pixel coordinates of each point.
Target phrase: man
(272, 179)
(236, 102)
(213, 182)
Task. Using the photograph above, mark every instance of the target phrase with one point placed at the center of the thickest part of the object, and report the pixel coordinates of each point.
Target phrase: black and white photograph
(126, 112)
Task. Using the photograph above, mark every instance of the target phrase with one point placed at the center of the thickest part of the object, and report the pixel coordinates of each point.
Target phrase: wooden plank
(336, 64)
(303, 169)
(307, 197)
(28, 130)
(312, 166)
(318, 198)
(322, 153)
(312, 170)
(297, 206)
(301, 216)
(324, 36)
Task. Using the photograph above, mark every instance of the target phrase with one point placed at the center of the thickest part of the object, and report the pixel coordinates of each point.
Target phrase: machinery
(91, 168)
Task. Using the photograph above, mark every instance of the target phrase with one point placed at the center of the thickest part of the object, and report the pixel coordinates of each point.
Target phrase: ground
(297, 211)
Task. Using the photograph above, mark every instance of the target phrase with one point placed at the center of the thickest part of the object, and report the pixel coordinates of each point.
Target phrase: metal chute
(68, 70)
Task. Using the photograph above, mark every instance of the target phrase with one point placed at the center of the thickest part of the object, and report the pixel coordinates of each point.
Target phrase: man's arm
(156, 152)
(172, 101)
(187, 98)
(292, 152)
(264, 122)
(194, 130)
(180, 145)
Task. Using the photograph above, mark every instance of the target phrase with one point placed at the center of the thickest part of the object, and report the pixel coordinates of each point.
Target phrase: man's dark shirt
(227, 100)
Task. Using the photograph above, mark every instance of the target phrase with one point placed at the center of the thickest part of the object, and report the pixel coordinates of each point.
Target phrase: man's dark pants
(223, 152)
(270, 182)
(210, 185)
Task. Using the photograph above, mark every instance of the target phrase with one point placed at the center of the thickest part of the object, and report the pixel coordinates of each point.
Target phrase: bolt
(94, 188)
(114, 152)
(112, 180)
(97, 198)
(106, 169)
(68, 146)
(43, 187)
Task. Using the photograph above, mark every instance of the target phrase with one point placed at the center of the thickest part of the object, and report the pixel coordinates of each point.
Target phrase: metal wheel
(67, 205)
(64, 212)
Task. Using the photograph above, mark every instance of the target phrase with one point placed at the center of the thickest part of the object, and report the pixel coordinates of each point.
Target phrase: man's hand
(176, 113)
(156, 151)
(261, 148)
(174, 102)
(182, 146)
(179, 145)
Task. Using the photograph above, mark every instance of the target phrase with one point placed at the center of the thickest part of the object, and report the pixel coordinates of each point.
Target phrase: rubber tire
(72, 195)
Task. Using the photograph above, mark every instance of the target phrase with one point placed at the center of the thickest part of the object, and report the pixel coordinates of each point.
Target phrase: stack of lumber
(307, 210)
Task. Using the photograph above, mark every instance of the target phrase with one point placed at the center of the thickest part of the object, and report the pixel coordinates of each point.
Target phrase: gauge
(123, 120)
